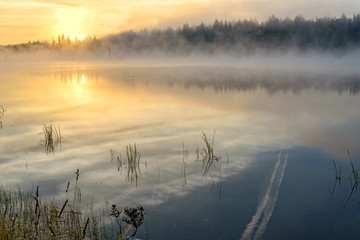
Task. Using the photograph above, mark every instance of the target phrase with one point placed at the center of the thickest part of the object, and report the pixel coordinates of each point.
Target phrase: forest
(242, 36)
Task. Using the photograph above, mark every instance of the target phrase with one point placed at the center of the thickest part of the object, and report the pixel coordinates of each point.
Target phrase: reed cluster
(23, 215)
(208, 156)
(52, 137)
(131, 163)
(353, 177)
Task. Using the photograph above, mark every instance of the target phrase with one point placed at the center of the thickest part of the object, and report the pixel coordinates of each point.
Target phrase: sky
(32, 20)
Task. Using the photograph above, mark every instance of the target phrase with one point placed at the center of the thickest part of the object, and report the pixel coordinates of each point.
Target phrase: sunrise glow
(77, 37)
(31, 20)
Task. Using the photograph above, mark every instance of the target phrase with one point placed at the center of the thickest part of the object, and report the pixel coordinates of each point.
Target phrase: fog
(285, 71)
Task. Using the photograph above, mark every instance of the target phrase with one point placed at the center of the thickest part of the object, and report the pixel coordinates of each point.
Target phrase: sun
(77, 37)
(64, 38)
(72, 24)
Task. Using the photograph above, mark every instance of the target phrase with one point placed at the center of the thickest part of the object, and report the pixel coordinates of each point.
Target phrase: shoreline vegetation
(23, 215)
(338, 35)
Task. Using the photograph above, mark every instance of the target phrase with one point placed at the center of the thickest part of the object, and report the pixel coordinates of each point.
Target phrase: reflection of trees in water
(279, 83)
(221, 79)
(78, 77)
(239, 79)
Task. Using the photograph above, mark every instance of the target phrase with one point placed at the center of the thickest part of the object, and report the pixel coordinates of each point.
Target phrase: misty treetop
(324, 34)
(62, 43)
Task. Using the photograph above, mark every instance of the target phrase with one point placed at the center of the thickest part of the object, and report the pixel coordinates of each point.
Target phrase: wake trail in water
(257, 226)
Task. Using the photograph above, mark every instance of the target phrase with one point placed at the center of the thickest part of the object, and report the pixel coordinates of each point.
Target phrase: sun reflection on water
(80, 85)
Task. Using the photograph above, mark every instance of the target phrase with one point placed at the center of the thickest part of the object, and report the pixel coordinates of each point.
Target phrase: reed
(209, 157)
(118, 159)
(52, 137)
(23, 215)
(26, 216)
(185, 157)
(354, 179)
(2, 112)
(354, 176)
(131, 163)
(158, 170)
(338, 177)
(337, 174)
(77, 191)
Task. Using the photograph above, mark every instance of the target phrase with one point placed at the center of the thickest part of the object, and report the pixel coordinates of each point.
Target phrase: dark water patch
(201, 215)
(305, 209)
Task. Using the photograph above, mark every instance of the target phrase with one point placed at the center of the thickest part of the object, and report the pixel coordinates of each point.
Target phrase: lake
(272, 136)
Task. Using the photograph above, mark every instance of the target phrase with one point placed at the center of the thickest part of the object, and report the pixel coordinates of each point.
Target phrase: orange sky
(24, 20)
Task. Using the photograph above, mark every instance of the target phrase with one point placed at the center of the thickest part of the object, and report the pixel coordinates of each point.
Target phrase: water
(276, 133)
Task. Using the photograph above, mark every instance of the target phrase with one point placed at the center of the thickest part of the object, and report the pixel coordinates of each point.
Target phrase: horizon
(31, 20)
(81, 37)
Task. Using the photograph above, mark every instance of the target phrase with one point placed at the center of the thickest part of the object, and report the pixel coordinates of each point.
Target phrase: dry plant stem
(84, 231)
(76, 190)
(37, 212)
(62, 209)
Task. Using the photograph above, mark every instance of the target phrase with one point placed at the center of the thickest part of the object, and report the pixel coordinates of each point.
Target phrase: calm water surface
(276, 134)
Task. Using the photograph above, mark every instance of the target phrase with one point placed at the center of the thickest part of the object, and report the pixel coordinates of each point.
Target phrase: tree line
(247, 35)
(324, 34)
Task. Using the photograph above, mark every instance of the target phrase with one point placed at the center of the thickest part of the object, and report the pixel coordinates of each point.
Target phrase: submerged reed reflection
(338, 177)
(353, 177)
(132, 163)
